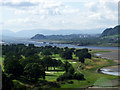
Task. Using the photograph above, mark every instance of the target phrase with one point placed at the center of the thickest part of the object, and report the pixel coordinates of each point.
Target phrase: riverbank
(103, 81)
(112, 70)
(111, 54)
(93, 78)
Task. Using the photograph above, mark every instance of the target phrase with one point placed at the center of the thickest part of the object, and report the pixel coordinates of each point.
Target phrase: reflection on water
(113, 70)
(98, 54)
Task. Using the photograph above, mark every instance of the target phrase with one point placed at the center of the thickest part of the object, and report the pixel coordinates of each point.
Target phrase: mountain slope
(63, 37)
(111, 31)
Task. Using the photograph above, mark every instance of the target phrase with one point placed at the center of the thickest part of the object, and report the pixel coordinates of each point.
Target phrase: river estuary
(114, 70)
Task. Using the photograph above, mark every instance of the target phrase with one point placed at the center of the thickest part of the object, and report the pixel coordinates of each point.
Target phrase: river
(36, 43)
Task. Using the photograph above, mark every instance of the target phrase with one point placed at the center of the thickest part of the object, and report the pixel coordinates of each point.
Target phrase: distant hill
(111, 32)
(30, 33)
(39, 36)
(71, 36)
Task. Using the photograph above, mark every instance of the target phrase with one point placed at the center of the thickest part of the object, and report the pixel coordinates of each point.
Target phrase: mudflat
(113, 54)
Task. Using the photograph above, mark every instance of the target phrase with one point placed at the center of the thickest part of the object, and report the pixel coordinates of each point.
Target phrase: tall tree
(33, 71)
(12, 66)
(7, 83)
(66, 66)
(47, 61)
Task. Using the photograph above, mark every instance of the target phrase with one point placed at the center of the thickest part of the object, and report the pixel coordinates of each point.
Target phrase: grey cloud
(99, 6)
(22, 4)
(112, 6)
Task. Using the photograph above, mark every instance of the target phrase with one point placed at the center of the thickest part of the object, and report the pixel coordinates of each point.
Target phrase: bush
(58, 79)
(65, 76)
(71, 70)
(50, 85)
(79, 76)
(61, 78)
(70, 82)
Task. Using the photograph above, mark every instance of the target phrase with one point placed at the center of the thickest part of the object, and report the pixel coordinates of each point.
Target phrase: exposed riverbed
(111, 70)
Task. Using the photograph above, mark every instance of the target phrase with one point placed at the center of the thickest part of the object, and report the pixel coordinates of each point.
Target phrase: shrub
(70, 82)
(71, 70)
(60, 78)
(79, 76)
(65, 76)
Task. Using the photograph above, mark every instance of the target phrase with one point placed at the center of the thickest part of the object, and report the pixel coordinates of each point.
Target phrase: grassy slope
(112, 36)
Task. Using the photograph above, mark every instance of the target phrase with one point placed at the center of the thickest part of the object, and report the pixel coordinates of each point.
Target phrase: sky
(17, 15)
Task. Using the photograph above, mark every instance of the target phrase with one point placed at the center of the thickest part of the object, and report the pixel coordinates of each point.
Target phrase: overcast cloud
(58, 14)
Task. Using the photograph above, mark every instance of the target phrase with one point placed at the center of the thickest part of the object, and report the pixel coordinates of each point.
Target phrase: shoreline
(99, 71)
(109, 70)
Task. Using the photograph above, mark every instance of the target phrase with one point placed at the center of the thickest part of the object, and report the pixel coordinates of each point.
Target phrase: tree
(30, 59)
(59, 62)
(88, 56)
(65, 48)
(46, 52)
(79, 76)
(67, 54)
(30, 52)
(84, 50)
(81, 58)
(71, 70)
(7, 83)
(47, 61)
(33, 71)
(31, 45)
(66, 66)
(82, 54)
(12, 66)
(54, 63)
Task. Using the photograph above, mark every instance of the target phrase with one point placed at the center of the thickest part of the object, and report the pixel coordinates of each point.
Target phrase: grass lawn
(96, 51)
(53, 75)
